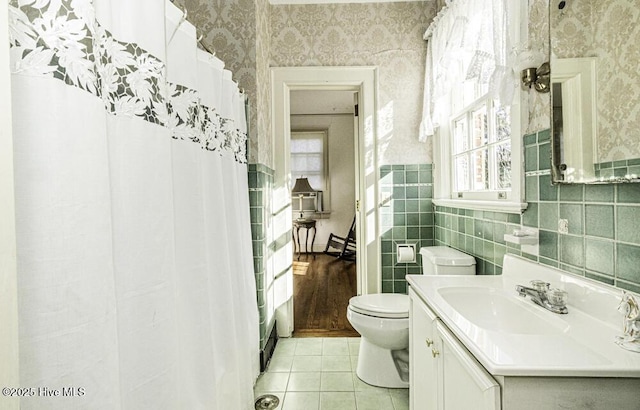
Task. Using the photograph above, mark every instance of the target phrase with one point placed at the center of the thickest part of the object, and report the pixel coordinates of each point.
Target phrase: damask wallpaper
(610, 31)
(539, 104)
(238, 32)
(387, 35)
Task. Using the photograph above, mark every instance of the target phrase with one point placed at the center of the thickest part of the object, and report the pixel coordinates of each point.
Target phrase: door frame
(362, 80)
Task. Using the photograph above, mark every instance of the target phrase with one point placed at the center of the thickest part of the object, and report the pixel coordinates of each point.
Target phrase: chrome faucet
(553, 300)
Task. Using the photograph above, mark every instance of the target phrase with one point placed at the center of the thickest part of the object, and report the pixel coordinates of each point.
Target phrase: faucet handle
(557, 297)
(540, 285)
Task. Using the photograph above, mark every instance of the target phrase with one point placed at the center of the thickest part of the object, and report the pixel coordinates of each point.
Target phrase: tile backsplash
(602, 241)
(406, 217)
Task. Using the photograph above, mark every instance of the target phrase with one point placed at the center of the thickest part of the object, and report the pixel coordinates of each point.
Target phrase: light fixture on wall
(538, 78)
(300, 188)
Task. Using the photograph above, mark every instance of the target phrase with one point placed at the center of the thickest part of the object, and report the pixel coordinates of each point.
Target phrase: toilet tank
(442, 260)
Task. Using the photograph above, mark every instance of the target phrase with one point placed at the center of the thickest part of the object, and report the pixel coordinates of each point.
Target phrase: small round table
(307, 224)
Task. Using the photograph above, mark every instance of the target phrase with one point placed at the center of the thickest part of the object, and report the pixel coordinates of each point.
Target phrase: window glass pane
(460, 139)
(480, 163)
(479, 127)
(307, 160)
(503, 123)
(503, 165)
(306, 145)
(462, 173)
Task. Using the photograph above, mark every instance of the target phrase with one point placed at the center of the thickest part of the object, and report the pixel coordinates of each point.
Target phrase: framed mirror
(595, 92)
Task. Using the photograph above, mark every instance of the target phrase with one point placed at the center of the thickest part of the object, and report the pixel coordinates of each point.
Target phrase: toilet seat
(387, 305)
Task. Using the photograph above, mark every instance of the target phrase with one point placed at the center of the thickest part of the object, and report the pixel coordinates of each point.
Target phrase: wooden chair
(343, 247)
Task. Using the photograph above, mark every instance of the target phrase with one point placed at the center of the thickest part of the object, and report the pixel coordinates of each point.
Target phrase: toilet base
(382, 367)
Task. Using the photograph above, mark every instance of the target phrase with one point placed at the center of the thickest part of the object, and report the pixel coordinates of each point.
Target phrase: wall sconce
(300, 188)
(539, 78)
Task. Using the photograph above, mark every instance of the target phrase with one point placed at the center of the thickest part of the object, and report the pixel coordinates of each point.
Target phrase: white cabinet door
(422, 368)
(465, 384)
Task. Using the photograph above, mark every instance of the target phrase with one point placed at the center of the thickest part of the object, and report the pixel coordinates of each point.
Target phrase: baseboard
(269, 347)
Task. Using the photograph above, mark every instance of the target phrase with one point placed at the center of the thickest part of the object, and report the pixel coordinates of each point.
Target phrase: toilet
(382, 320)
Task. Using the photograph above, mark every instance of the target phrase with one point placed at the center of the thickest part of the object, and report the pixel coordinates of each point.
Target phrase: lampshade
(302, 185)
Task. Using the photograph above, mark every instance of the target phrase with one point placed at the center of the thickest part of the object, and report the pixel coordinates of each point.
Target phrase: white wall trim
(364, 81)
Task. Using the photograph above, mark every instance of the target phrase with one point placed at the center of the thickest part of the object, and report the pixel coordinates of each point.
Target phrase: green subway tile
(387, 259)
(413, 219)
(571, 192)
(386, 246)
(387, 273)
(253, 180)
(549, 216)
(399, 233)
(478, 228)
(531, 188)
(606, 165)
(599, 256)
(548, 191)
(399, 205)
(627, 218)
(425, 192)
(627, 262)
(620, 163)
(400, 287)
(426, 205)
(530, 216)
(599, 278)
(387, 233)
(599, 220)
(572, 250)
(412, 192)
(530, 139)
(548, 262)
(499, 229)
(399, 192)
(531, 158)
(544, 156)
(412, 167)
(548, 244)
(634, 161)
(426, 232)
(628, 193)
(387, 286)
(386, 220)
(413, 232)
(572, 213)
(487, 230)
(529, 256)
(399, 272)
(397, 167)
(628, 286)
(411, 177)
(425, 176)
(544, 135)
(571, 269)
(399, 220)
(599, 193)
(412, 205)
(469, 226)
(426, 218)
(398, 177)
(619, 172)
(498, 255)
(514, 218)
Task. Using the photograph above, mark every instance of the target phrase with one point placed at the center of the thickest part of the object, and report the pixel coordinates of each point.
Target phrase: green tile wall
(260, 187)
(629, 168)
(406, 217)
(603, 241)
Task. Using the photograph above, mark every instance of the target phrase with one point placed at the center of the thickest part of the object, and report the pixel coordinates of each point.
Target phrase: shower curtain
(135, 274)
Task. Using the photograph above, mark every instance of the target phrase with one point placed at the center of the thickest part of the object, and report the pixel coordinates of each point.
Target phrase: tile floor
(319, 374)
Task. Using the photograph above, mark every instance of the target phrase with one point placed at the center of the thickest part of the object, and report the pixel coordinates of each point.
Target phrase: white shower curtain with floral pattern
(135, 274)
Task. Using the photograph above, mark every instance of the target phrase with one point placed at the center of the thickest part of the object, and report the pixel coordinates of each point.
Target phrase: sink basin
(496, 310)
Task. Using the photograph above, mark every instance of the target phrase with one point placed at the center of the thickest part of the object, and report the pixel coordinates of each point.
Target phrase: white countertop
(580, 343)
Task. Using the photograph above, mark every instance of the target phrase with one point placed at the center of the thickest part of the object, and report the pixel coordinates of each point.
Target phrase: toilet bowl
(383, 321)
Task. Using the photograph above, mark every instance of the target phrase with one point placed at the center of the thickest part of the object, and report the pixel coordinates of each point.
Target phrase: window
(476, 105)
(481, 149)
(308, 158)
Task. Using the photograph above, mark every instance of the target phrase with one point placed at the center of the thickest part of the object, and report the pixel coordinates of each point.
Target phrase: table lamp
(300, 188)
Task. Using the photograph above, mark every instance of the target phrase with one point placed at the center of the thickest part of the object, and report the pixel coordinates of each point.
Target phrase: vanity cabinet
(442, 373)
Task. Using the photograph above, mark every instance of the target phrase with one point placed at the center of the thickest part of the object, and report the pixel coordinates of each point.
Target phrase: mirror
(595, 91)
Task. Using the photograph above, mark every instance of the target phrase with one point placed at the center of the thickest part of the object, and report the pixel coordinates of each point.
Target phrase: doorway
(323, 157)
(361, 80)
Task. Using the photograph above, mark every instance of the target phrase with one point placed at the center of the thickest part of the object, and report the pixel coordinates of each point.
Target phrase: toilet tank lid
(382, 304)
(445, 256)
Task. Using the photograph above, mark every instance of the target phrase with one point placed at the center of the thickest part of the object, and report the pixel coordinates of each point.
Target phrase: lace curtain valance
(468, 41)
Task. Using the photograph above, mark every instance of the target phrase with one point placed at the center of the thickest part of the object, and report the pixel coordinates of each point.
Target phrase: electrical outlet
(563, 226)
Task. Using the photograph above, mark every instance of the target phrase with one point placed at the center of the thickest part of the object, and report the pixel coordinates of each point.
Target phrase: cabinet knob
(434, 352)
(429, 342)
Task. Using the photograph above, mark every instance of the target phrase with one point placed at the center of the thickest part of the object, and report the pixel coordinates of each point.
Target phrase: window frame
(443, 173)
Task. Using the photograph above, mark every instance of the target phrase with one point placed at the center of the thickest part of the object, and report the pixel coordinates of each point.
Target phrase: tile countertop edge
(625, 364)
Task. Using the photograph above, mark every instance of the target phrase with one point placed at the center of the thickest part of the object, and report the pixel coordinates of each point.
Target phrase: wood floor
(321, 296)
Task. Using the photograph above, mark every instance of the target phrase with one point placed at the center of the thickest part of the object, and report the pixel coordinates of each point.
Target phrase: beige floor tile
(306, 364)
(337, 401)
(336, 381)
(336, 364)
(304, 381)
(272, 382)
(301, 401)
